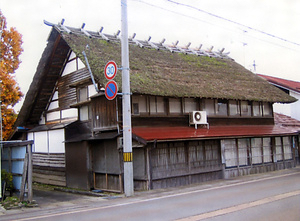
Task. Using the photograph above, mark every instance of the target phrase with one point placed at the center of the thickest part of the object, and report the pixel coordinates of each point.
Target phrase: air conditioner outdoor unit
(198, 117)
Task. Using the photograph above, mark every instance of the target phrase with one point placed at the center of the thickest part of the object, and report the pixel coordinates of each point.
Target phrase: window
(287, 148)
(257, 109)
(82, 94)
(209, 105)
(267, 150)
(84, 113)
(221, 108)
(256, 150)
(135, 108)
(245, 108)
(230, 152)
(234, 108)
(157, 105)
(267, 109)
(190, 104)
(175, 105)
(139, 104)
(243, 151)
(278, 147)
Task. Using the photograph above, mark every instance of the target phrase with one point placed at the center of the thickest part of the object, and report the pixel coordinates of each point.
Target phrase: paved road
(272, 196)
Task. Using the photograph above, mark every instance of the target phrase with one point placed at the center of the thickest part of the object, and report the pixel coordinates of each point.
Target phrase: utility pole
(127, 131)
(2, 27)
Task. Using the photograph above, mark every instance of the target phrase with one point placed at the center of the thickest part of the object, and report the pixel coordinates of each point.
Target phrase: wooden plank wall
(182, 163)
(49, 168)
(104, 113)
(67, 94)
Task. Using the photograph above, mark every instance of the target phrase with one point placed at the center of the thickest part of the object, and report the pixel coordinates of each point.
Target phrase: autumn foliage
(10, 50)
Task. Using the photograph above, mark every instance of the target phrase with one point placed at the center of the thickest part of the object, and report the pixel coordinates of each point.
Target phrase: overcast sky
(264, 31)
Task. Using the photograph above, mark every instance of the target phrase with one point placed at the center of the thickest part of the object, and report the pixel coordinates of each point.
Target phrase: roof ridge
(141, 43)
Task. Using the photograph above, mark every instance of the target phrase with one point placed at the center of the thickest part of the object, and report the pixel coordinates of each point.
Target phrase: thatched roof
(153, 72)
(163, 73)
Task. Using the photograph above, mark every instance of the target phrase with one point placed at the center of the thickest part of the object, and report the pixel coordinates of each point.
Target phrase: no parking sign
(111, 90)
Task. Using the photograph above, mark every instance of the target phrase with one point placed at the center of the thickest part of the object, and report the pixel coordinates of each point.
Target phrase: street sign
(111, 90)
(110, 70)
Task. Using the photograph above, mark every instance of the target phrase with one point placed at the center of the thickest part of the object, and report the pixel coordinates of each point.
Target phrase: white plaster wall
(56, 141)
(295, 107)
(292, 110)
(69, 113)
(41, 142)
(53, 116)
(51, 141)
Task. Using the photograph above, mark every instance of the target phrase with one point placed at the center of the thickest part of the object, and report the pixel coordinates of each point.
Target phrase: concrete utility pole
(2, 27)
(127, 136)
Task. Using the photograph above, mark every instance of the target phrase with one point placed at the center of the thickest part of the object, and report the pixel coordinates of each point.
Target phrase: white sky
(164, 19)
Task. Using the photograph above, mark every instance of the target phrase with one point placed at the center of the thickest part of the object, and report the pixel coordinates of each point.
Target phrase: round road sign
(110, 70)
(111, 90)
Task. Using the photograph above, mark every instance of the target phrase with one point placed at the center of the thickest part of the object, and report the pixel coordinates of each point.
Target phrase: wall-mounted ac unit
(198, 117)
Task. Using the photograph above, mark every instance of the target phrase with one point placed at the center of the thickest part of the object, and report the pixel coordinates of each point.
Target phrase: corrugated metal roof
(288, 84)
(150, 134)
(286, 121)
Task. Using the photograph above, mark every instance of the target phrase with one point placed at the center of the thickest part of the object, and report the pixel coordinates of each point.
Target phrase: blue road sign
(111, 90)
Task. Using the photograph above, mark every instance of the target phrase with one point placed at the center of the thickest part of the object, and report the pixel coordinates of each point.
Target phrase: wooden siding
(107, 166)
(104, 113)
(67, 95)
(49, 168)
(182, 163)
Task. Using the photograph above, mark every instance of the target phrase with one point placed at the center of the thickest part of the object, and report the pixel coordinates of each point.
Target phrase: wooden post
(24, 178)
(238, 156)
(29, 177)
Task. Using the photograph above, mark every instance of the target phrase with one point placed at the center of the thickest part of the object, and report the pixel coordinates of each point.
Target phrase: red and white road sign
(110, 70)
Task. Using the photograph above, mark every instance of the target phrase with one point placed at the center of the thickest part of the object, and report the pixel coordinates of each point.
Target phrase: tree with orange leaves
(10, 50)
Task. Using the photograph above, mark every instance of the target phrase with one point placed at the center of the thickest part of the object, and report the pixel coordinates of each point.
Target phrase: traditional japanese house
(196, 115)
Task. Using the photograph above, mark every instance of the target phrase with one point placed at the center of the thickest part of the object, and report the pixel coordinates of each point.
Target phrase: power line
(234, 22)
(213, 24)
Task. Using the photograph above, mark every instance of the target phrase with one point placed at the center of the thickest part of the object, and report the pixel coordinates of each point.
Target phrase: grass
(13, 202)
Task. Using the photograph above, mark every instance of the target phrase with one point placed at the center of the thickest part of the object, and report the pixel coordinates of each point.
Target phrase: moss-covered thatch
(160, 72)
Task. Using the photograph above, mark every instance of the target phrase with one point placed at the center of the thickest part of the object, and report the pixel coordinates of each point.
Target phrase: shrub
(8, 178)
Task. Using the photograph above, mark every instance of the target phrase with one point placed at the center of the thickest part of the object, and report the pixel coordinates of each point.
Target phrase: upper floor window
(175, 106)
(82, 94)
(245, 108)
(139, 104)
(257, 109)
(157, 105)
(221, 107)
(190, 104)
(209, 106)
(234, 108)
(267, 109)
(85, 92)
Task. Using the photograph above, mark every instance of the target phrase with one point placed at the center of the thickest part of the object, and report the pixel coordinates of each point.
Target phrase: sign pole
(127, 136)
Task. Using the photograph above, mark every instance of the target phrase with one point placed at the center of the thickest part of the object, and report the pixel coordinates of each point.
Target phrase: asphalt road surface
(269, 196)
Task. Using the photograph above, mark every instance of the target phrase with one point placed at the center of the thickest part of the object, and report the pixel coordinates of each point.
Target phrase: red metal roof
(293, 85)
(286, 121)
(189, 133)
